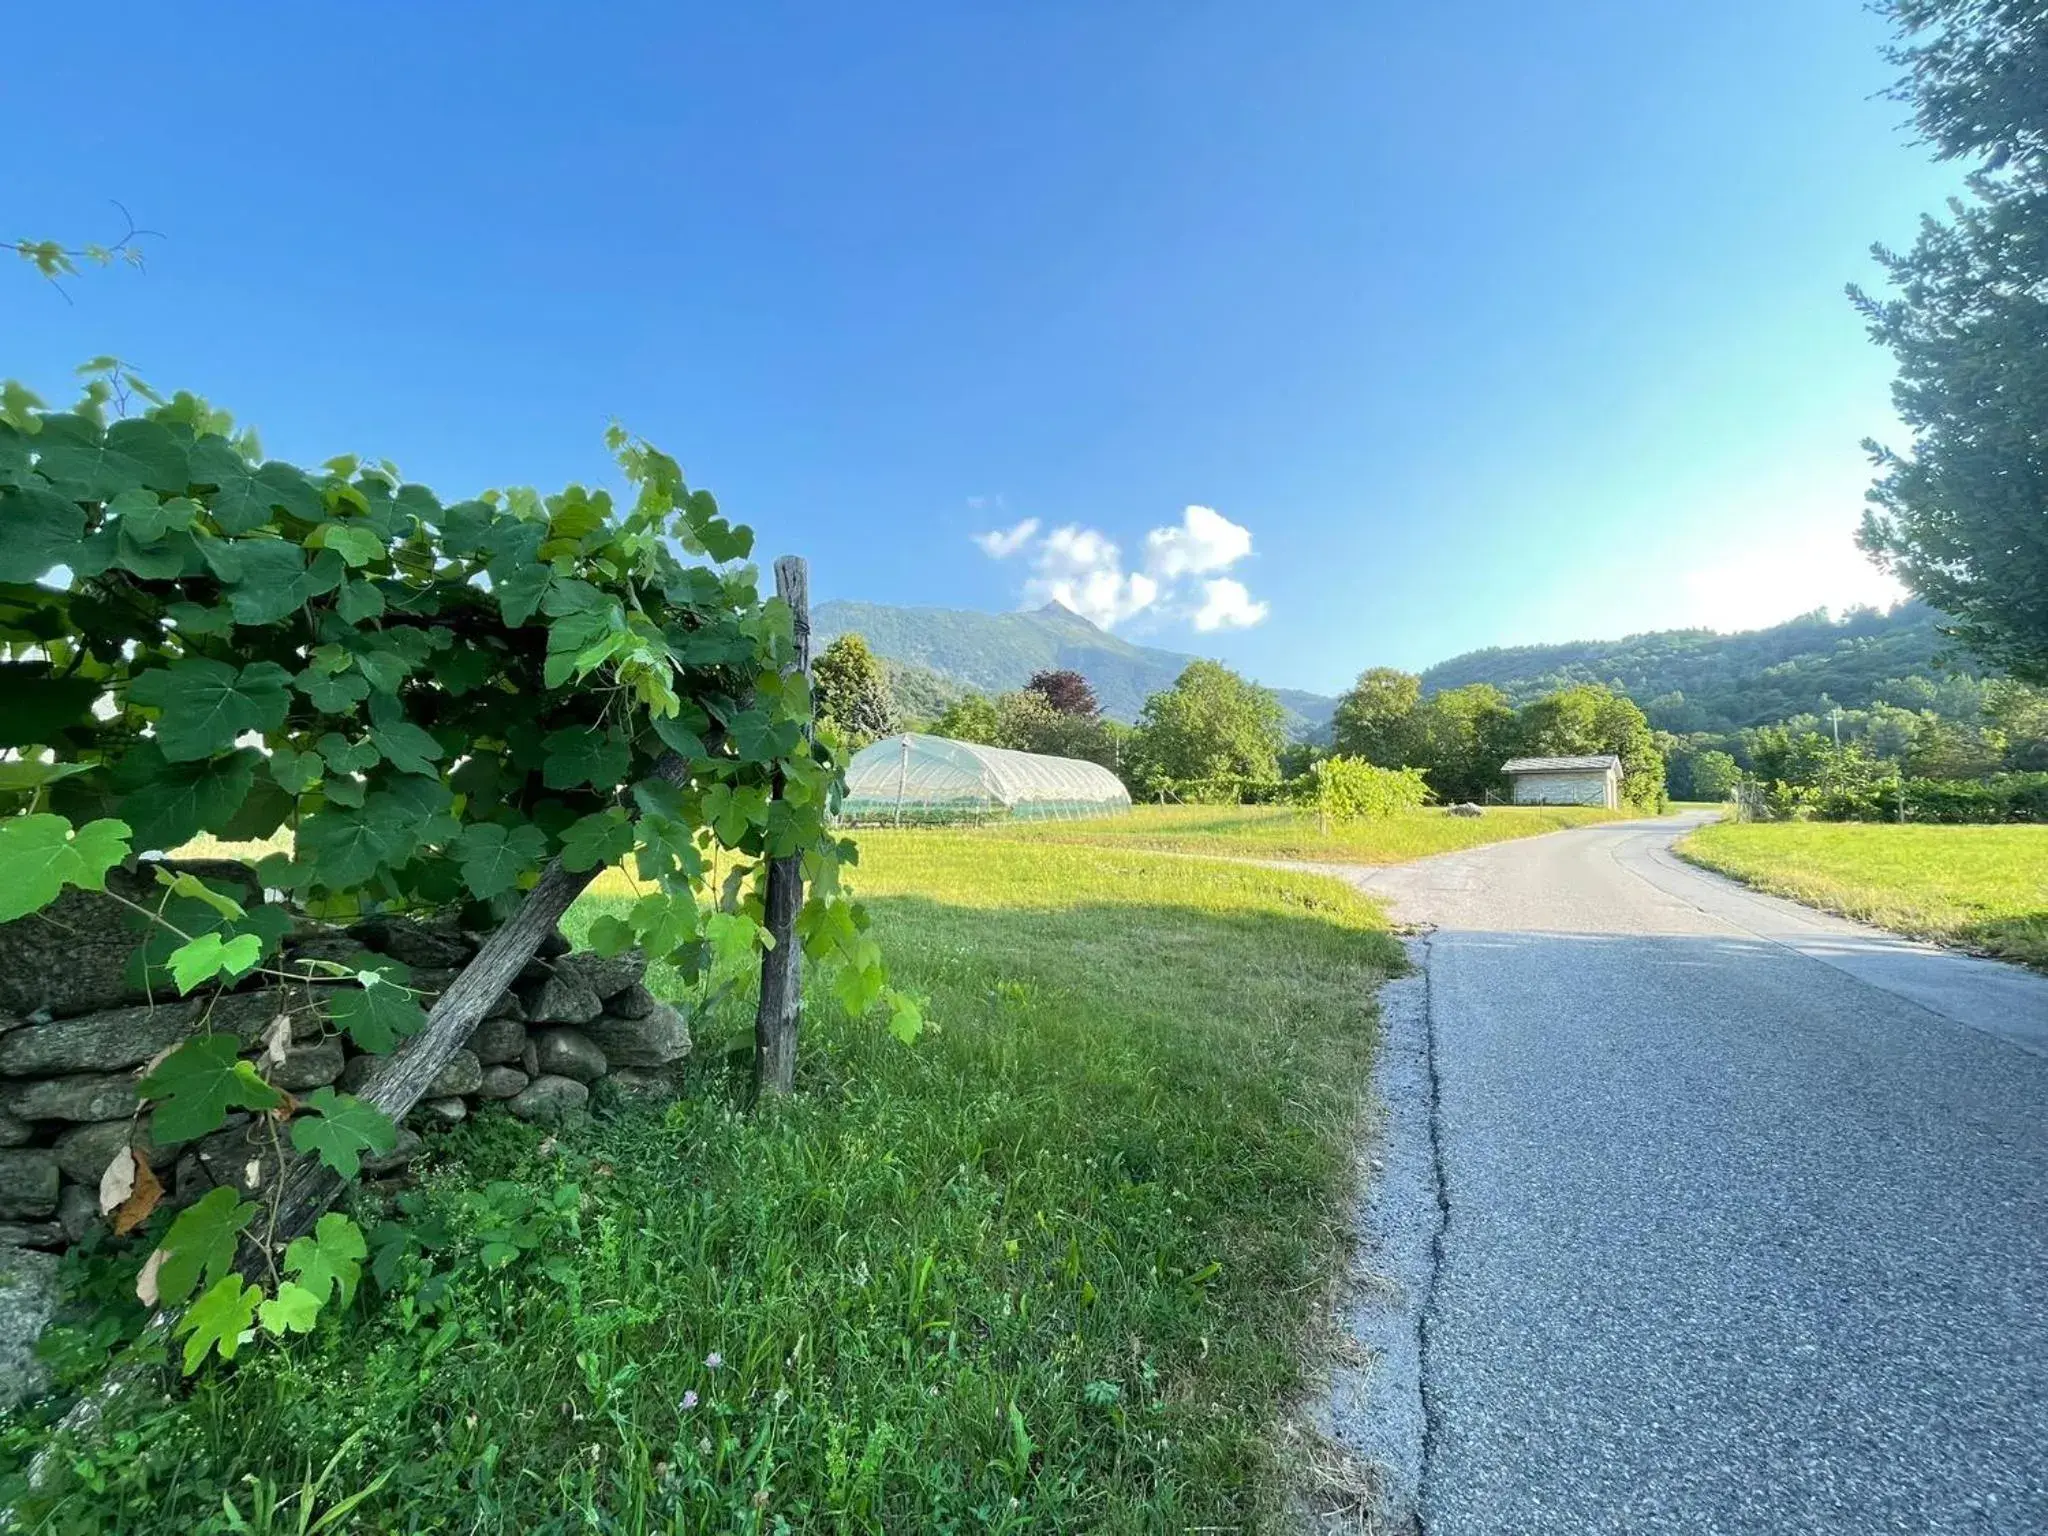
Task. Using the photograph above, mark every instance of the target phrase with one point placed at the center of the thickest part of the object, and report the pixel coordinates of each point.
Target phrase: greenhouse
(910, 778)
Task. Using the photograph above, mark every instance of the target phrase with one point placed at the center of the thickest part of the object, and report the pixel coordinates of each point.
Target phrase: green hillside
(992, 652)
(1700, 680)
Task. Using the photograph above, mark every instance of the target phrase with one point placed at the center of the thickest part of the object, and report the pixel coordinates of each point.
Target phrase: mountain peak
(1059, 610)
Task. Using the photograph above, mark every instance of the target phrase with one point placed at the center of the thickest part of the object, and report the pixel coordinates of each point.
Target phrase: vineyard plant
(425, 705)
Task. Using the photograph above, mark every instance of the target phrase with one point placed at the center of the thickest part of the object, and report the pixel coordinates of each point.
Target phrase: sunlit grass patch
(1982, 887)
(1049, 1269)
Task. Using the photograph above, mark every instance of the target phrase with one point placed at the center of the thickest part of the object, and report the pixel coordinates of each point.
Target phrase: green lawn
(1982, 887)
(1052, 1268)
(1282, 832)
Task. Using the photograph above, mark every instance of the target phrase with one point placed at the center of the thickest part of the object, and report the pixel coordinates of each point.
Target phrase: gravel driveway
(1744, 1209)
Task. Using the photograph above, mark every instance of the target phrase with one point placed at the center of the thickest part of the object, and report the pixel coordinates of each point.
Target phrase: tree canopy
(1962, 518)
(1210, 726)
(852, 691)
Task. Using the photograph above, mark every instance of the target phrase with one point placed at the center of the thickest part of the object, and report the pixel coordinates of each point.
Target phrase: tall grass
(1049, 1269)
(1981, 887)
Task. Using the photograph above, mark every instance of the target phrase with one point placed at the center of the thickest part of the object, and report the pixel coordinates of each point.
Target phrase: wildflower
(713, 1361)
(689, 1401)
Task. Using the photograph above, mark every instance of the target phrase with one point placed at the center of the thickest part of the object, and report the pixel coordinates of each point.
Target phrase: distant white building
(1564, 780)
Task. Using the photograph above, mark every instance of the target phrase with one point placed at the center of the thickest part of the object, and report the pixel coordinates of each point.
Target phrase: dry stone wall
(78, 1030)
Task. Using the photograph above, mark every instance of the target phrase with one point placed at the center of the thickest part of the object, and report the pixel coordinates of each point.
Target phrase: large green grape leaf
(40, 855)
(294, 1309)
(272, 579)
(492, 858)
(173, 802)
(203, 958)
(38, 529)
(581, 754)
(341, 849)
(339, 1129)
(198, 1083)
(406, 747)
(218, 1320)
(330, 1259)
(599, 839)
(207, 704)
(357, 544)
(333, 693)
(73, 455)
(247, 495)
(200, 1247)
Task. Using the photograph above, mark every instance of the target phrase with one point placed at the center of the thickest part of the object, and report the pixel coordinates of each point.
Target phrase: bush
(1351, 789)
(2001, 797)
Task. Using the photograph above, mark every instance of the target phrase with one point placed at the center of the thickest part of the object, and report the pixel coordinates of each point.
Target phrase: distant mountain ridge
(993, 652)
(1703, 680)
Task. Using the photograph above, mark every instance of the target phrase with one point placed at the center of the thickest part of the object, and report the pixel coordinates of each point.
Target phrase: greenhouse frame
(913, 779)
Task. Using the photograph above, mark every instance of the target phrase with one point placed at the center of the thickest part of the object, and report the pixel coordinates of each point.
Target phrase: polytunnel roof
(919, 768)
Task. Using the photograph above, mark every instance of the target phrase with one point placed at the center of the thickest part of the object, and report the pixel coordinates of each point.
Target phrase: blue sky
(1480, 324)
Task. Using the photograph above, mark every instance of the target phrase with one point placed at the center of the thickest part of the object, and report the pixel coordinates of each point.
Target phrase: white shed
(1564, 780)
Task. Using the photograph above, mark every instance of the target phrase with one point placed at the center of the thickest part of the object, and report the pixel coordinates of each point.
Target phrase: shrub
(1351, 789)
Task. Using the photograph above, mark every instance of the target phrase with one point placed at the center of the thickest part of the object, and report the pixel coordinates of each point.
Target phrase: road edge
(1378, 1406)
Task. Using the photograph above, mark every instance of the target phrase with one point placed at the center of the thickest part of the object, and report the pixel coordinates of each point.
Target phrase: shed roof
(1562, 764)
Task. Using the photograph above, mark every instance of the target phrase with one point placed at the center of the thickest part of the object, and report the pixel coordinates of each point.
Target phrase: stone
(606, 975)
(645, 1085)
(83, 1096)
(529, 1058)
(230, 1155)
(248, 1015)
(1466, 808)
(431, 945)
(431, 982)
(78, 955)
(356, 1071)
(94, 1042)
(13, 1132)
(654, 1041)
(461, 1075)
(567, 1053)
(28, 1182)
(498, 1040)
(548, 1098)
(501, 1082)
(403, 1151)
(439, 1112)
(309, 1066)
(84, 1151)
(78, 1212)
(28, 1300)
(34, 1234)
(564, 998)
(553, 945)
(636, 1002)
(508, 1007)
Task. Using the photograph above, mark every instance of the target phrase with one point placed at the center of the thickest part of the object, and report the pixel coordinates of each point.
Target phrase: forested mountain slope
(992, 652)
(1701, 680)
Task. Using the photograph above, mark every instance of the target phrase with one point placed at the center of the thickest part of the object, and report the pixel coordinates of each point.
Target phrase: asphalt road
(1744, 1216)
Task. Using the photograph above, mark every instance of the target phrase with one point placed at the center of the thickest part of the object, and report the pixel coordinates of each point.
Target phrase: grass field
(1282, 832)
(1985, 888)
(1052, 1268)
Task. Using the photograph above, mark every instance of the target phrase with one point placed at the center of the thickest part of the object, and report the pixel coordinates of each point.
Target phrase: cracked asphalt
(1746, 1207)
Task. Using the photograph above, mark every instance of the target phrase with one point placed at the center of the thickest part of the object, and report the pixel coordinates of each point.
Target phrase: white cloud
(1227, 605)
(1083, 568)
(1001, 543)
(1205, 541)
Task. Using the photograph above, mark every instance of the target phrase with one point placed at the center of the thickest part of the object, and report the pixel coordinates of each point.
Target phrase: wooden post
(776, 1019)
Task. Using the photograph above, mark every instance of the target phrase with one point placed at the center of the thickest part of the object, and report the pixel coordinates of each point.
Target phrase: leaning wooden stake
(775, 1020)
